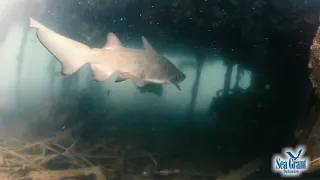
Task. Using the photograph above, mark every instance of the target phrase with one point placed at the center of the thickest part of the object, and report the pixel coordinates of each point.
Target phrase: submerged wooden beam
(308, 132)
(244, 171)
(314, 61)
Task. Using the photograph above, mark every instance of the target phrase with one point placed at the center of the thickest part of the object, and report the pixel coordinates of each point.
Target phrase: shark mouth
(165, 82)
(176, 85)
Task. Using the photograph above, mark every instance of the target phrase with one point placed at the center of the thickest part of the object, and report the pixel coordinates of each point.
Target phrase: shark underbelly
(156, 81)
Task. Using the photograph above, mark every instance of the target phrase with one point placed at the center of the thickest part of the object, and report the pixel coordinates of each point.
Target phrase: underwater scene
(159, 90)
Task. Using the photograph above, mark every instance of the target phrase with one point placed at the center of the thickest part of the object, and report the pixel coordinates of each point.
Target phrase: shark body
(142, 66)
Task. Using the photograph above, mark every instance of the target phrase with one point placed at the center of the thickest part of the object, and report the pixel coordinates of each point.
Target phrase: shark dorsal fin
(112, 40)
(147, 45)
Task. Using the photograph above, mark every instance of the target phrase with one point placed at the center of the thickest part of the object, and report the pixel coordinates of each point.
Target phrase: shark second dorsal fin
(112, 40)
(147, 46)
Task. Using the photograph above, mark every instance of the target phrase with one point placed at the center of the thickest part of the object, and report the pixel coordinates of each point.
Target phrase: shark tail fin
(33, 23)
(71, 54)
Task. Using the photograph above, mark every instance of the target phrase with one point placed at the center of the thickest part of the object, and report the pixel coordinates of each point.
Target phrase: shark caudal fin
(71, 54)
(33, 23)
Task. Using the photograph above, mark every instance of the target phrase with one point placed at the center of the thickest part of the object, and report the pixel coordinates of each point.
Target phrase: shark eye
(177, 78)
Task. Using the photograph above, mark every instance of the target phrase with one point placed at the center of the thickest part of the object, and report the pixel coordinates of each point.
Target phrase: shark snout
(179, 78)
(182, 77)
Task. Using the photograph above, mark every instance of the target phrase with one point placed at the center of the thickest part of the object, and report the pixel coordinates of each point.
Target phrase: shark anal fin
(101, 73)
(122, 77)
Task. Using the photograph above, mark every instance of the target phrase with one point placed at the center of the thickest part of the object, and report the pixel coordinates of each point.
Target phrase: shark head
(161, 70)
(176, 78)
(166, 73)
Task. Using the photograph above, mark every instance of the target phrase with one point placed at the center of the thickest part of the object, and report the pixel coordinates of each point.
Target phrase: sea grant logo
(291, 163)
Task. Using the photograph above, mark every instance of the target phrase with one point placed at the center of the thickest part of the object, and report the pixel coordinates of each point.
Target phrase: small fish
(142, 66)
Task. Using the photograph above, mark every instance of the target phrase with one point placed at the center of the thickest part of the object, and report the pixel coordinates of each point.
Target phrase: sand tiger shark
(142, 66)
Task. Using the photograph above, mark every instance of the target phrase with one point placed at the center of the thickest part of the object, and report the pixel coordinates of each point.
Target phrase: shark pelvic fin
(112, 40)
(101, 73)
(69, 66)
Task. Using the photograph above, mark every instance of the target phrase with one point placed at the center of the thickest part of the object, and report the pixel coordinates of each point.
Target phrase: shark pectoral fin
(122, 77)
(138, 82)
(177, 86)
(101, 73)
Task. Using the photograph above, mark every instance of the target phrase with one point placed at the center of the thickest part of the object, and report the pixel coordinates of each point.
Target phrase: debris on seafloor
(63, 157)
(37, 148)
(244, 171)
(20, 159)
